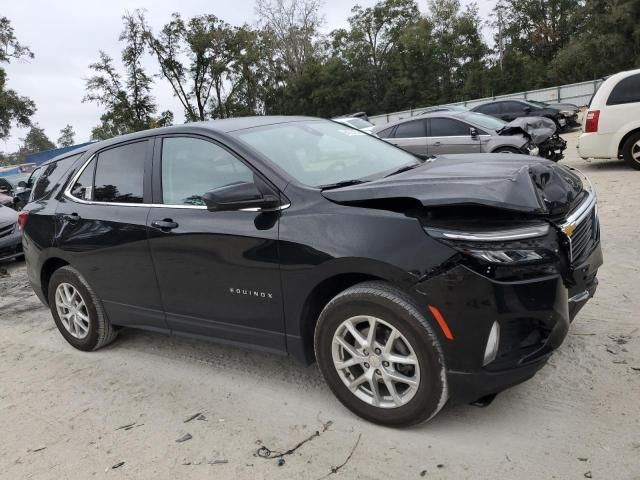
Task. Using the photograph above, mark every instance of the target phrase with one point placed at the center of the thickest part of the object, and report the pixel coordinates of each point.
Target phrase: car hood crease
(509, 182)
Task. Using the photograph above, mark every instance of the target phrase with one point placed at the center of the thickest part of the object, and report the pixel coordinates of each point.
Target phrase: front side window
(192, 167)
(5, 186)
(626, 91)
(119, 176)
(448, 127)
(320, 153)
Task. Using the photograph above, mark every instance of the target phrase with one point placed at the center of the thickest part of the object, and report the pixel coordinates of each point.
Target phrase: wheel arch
(47, 270)
(626, 136)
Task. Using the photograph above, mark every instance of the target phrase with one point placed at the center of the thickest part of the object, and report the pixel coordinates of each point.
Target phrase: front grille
(583, 233)
(7, 230)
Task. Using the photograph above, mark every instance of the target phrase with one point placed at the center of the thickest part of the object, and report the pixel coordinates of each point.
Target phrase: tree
(295, 27)
(14, 108)
(67, 137)
(128, 102)
(34, 141)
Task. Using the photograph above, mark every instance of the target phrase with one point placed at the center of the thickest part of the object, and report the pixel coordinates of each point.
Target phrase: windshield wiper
(404, 169)
(344, 183)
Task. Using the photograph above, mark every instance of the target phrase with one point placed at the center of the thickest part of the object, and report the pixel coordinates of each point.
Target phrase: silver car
(10, 234)
(441, 133)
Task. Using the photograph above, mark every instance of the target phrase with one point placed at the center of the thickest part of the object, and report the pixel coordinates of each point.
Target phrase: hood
(517, 183)
(537, 129)
(8, 216)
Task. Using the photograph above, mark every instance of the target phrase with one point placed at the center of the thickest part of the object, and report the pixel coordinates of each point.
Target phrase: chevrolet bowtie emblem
(569, 229)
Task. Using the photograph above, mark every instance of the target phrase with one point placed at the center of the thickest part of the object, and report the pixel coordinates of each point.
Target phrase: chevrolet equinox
(411, 282)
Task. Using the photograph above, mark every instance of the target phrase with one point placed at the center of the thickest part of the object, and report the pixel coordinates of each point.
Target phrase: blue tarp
(41, 157)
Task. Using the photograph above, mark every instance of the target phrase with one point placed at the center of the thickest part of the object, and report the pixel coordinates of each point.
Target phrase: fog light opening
(491, 350)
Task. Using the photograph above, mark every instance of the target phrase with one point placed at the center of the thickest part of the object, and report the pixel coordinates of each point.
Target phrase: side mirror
(239, 196)
(22, 184)
(474, 132)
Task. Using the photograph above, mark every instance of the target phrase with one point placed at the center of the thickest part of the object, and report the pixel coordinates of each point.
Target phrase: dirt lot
(61, 409)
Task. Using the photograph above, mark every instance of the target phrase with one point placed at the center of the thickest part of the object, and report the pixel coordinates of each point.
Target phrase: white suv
(612, 123)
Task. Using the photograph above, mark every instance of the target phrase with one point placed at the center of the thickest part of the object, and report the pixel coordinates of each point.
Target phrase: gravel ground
(61, 409)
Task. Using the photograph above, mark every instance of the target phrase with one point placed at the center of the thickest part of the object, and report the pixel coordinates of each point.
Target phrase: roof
(40, 157)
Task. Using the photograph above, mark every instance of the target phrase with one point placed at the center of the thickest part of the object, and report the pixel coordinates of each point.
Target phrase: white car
(612, 124)
(356, 122)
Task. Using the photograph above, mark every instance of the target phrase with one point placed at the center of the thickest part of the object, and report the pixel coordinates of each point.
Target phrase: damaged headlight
(500, 247)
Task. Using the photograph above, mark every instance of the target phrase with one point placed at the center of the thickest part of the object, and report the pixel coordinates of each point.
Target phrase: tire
(99, 331)
(631, 151)
(505, 150)
(391, 308)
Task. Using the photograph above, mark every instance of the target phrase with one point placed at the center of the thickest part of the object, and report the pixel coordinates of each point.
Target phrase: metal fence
(577, 93)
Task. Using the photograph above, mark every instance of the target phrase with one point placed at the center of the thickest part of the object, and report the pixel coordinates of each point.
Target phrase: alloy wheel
(375, 361)
(72, 310)
(635, 151)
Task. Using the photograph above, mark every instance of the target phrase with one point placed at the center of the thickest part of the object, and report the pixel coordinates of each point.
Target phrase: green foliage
(14, 108)
(129, 106)
(67, 137)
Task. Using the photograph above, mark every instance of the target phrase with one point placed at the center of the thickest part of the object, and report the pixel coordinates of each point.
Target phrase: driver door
(218, 272)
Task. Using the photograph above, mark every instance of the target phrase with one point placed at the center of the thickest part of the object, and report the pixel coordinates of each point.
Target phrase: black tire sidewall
(626, 151)
(67, 275)
(426, 401)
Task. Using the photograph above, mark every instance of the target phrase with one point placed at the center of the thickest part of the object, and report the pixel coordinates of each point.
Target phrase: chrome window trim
(74, 179)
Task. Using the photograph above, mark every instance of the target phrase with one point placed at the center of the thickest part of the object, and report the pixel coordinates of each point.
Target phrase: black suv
(411, 282)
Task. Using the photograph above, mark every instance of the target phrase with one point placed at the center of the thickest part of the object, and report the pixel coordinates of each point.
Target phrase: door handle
(165, 224)
(71, 218)
(437, 144)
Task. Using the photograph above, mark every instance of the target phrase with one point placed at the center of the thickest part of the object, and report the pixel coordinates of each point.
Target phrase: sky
(65, 37)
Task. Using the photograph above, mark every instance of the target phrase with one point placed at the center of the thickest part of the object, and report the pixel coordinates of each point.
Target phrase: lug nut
(378, 351)
(378, 372)
(366, 365)
(385, 364)
(364, 352)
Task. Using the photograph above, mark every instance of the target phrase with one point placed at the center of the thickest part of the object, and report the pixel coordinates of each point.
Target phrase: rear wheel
(379, 355)
(631, 151)
(78, 312)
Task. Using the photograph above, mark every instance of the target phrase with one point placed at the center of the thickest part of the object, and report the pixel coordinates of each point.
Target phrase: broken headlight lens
(500, 247)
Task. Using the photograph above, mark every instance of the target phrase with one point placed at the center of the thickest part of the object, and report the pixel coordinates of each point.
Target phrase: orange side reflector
(440, 319)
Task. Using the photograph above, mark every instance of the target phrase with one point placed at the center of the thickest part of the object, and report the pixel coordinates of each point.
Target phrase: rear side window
(83, 187)
(411, 130)
(489, 108)
(448, 127)
(514, 107)
(385, 133)
(119, 175)
(192, 167)
(626, 91)
(51, 177)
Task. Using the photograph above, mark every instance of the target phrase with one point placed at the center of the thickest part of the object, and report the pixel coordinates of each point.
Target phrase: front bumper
(533, 314)
(10, 244)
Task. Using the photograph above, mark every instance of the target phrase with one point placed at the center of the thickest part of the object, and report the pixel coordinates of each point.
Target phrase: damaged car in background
(412, 283)
(447, 132)
(10, 234)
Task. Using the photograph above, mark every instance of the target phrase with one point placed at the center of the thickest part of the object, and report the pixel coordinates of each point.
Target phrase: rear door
(510, 110)
(101, 230)
(450, 135)
(411, 136)
(219, 271)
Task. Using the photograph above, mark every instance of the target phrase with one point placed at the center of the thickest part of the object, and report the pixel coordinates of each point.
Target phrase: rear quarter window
(626, 91)
(52, 176)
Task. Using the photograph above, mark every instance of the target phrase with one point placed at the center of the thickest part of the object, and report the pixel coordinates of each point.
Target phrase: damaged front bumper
(533, 316)
(10, 242)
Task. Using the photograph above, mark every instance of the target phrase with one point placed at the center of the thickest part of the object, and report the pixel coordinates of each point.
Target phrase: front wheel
(631, 151)
(380, 356)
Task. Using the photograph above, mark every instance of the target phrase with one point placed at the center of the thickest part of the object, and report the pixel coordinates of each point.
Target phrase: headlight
(567, 113)
(521, 245)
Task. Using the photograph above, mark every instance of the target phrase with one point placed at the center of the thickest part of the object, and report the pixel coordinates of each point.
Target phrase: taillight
(591, 125)
(22, 218)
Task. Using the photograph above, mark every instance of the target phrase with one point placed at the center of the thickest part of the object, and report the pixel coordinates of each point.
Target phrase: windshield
(359, 123)
(319, 153)
(485, 121)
